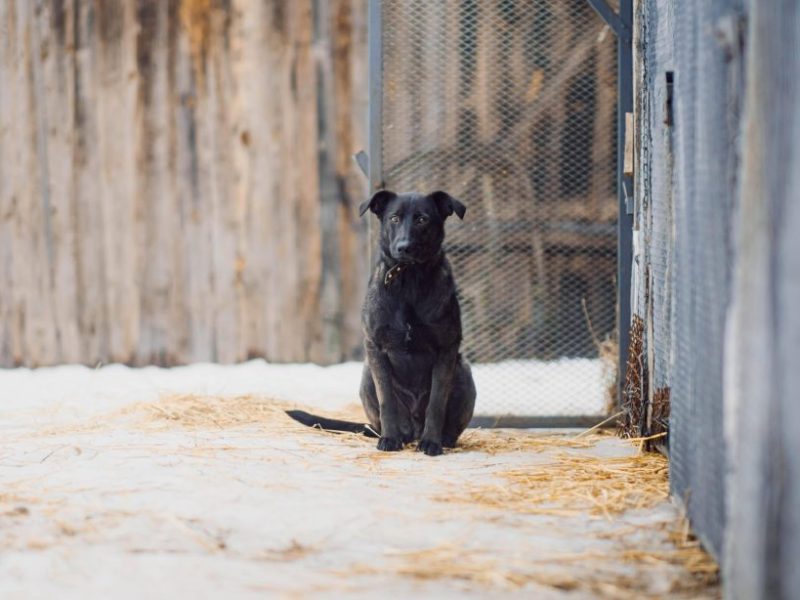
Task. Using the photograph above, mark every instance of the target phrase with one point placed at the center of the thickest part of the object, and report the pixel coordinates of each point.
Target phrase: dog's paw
(448, 442)
(390, 444)
(430, 448)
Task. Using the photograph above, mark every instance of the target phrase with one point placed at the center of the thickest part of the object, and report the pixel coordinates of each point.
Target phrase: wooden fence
(176, 182)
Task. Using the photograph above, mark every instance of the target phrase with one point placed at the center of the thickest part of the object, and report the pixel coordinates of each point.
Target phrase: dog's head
(412, 225)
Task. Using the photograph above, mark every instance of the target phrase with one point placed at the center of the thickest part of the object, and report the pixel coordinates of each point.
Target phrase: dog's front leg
(441, 384)
(381, 369)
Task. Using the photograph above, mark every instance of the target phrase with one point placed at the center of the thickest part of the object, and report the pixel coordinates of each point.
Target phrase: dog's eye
(421, 220)
(395, 219)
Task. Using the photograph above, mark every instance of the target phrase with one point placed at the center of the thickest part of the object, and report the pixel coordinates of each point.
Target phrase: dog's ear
(377, 203)
(448, 205)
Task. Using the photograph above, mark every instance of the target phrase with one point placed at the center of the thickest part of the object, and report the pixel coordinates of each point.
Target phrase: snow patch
(563, 387)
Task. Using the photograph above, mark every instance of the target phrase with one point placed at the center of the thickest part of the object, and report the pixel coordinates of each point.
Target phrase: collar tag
(392, 273)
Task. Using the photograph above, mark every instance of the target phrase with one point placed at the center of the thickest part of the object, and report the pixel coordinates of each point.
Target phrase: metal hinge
(362, 160)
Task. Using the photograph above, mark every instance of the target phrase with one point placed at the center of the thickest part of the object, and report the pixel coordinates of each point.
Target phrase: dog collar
(392, 273)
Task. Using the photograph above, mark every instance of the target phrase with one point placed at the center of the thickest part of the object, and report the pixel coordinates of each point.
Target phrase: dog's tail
(305, 418)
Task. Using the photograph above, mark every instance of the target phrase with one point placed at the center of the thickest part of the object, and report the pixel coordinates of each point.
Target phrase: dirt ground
(196, 495)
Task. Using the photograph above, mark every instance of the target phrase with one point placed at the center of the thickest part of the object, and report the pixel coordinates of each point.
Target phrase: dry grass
(294, 551)
(696, 560)
(449, 561)
(659, 414)
(681, 571)
(185, 411)
(260, 415)
(212, 412)
(201, 412)
(634, 391)
(498, 441)
(197, 412)
(578, 485)
(190, 411)
(572, 485)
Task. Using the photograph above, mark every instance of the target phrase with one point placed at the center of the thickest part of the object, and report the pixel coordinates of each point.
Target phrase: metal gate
(511, 107)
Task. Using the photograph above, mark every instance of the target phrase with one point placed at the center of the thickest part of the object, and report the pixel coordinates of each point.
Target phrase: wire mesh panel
(708, 97)
(511, 107)
(690, 97)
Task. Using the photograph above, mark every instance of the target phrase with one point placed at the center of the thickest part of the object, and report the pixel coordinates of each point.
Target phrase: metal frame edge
(375, 124)
(625, 219)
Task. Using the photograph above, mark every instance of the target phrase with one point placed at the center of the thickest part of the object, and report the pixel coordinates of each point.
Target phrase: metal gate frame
(372, 164)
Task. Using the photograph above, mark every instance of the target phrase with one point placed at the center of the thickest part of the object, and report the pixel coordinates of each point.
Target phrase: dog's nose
(403, 247)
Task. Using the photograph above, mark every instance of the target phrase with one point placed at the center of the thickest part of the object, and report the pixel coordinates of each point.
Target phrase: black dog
(415, 386)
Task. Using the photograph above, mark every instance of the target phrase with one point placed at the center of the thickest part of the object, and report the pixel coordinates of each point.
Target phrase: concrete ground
(162, 495)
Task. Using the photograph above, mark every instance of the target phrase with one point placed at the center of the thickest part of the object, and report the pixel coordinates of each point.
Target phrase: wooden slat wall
(176, 182)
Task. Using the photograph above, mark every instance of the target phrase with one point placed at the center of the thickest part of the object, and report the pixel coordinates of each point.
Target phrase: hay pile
(578, 485)
(249, 416)
(498, 441)
(190, 411)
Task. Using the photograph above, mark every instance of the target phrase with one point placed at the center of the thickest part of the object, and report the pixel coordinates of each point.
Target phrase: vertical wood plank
(114, 50)
(55, 23)
(90, 250)
(33, 232)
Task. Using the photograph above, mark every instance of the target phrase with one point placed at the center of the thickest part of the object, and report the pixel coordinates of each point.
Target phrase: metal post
(622, 24)
(375, 125)
(624, 189)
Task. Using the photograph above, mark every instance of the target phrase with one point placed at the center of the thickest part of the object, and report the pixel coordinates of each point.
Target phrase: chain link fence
(511, 107)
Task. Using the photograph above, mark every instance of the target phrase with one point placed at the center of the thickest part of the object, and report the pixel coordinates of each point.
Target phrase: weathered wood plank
(32, 232)
(160, 195)
(628, 165)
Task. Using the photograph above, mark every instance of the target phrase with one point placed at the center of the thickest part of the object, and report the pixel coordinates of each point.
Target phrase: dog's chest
(413, 315)
(408, 332)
